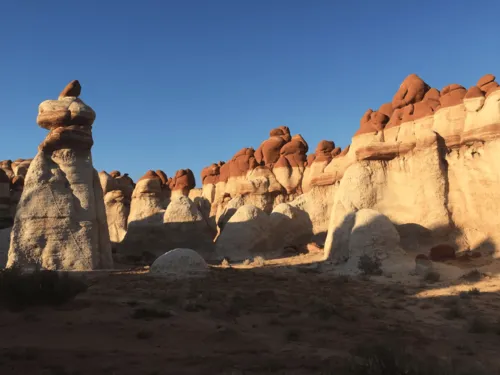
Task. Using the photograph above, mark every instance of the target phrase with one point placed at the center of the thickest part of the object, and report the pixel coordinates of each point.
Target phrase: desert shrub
(454, 312)
(19, 289)
(388, 360)
(473, 276)
(478, 324)
(370, 265)
(432, 277)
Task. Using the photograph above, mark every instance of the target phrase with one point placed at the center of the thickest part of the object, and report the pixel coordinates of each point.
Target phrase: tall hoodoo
(60, 221)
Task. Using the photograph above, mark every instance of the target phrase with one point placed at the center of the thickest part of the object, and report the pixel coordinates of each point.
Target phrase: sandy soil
(275, 319)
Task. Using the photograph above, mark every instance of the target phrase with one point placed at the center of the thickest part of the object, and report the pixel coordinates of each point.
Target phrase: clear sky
(182, 84)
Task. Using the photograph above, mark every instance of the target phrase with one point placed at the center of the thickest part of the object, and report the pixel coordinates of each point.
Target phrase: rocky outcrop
(163, 217)
(60, 222)
(422, 167)
(364, 232)
(182, 182)
(117, 190)
(246, 234)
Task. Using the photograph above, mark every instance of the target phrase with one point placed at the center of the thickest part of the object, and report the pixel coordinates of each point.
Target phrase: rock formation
(180, 263)
(422, 167)
(246, 234)
(60, 221)
(163, 217)
(117, 190)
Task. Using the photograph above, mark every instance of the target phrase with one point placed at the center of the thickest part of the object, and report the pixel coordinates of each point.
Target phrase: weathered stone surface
(185, 226)
(64, 112)
(72, 89)
(61, 221)
(180, 263)
(364, 232)
(245, 235)
(290, 226)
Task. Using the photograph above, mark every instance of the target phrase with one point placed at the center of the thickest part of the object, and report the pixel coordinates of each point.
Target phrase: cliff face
(427, 161)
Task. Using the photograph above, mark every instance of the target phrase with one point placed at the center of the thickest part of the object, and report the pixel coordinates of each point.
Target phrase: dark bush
(19, 289)
(370, 265)
(384, 360)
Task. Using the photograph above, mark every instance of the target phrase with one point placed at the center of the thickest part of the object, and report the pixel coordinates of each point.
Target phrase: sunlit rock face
(60, 221)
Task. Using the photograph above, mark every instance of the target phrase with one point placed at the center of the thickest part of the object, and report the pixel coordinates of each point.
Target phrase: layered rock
(163, 217)
(246, 235)
(60, 222)
(182, 182)
(431, 165)
(117, 190)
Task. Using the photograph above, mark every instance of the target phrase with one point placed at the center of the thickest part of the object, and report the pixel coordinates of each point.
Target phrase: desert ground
(286, 316)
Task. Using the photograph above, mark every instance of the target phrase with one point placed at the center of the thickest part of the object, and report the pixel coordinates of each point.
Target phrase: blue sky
(182, 84)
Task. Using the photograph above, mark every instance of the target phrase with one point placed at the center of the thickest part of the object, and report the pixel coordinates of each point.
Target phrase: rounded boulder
(180, 262)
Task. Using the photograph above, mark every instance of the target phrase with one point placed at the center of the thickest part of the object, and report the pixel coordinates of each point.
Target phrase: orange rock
(452, 95)
(72, 89)
(411, 91)
(429, 104)
(336, 151)
(473, 92)
(310, 158)
(224, 172)
(242, 162)
(386, 109)
(183, 180)
(372, 122)
(281, 131)
(115, 174)
(270, 149)
(484, 80)
(345, 151)
(163, 176)
(324, 151)
(149, 176)
(396, 118)
(210, 174)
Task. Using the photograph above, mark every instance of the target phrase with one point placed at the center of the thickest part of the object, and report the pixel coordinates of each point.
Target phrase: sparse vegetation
(478, 324)
(370, 265)
(471, 292)
(454, 312)
(473, 276)
(19, 290)
(432, 277)
(386, 360)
